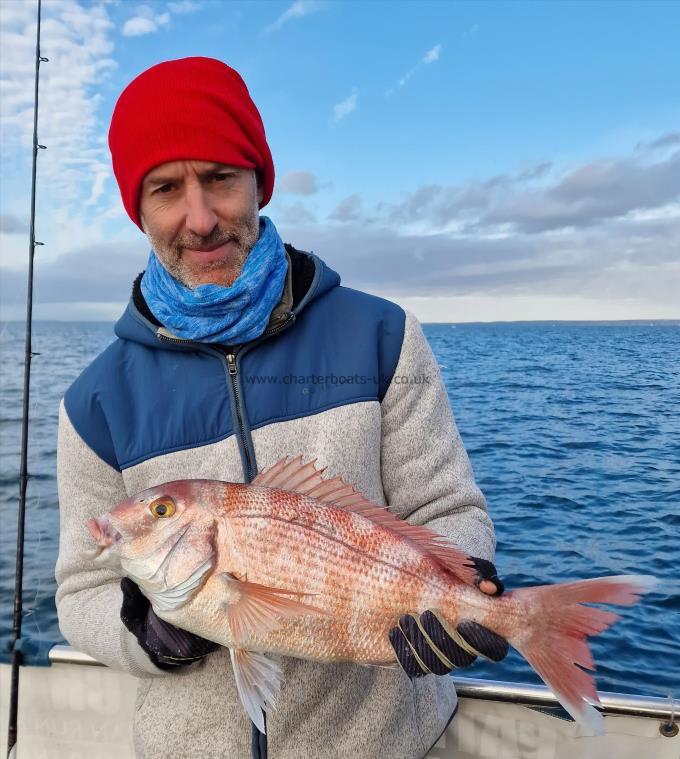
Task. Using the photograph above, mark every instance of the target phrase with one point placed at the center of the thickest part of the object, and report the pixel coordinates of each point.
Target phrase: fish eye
(162, 508)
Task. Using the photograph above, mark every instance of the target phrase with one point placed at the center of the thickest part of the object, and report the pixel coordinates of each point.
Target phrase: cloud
(348, 209)
(599, 190)
(295, 215)
(606, 231)
(298, 183)
(536, 171)
(98, 186)
(345, 107)
(70, 278)
(668, 140)
(146, 21)
(299, 9)
(183, 6)
(137, 26)
(431, 56)
(537, 200)
(78, 41)
(620, 259)
(472, 32)
(12, 225)
(438, 206)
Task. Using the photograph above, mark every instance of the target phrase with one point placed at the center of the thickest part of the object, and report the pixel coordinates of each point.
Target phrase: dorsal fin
(302, 478)
(290, 475)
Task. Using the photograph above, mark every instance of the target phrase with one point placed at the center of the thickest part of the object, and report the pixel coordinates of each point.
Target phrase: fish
(298, 564)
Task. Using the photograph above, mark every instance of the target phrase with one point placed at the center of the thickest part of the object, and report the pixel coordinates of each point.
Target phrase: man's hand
(424, 646)
(166, 645)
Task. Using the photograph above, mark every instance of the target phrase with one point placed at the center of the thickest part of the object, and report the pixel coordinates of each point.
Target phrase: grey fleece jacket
(395, 440)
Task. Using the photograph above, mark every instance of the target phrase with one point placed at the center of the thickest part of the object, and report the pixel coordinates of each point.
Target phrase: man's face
(202, 219)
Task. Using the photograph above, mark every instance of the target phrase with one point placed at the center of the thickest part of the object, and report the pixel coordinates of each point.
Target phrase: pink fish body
(297, 565)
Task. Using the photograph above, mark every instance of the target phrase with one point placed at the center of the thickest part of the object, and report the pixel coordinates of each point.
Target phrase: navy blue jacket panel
(146, 396)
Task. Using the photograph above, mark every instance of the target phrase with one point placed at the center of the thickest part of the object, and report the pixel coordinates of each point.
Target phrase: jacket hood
(312, 278)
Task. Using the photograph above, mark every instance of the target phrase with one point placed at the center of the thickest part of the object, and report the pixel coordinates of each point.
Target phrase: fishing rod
(23, 471)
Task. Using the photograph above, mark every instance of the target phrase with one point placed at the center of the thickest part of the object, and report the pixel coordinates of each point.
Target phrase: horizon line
(665, 320)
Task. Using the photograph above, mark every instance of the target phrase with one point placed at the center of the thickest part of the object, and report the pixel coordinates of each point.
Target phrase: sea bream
(298, 565)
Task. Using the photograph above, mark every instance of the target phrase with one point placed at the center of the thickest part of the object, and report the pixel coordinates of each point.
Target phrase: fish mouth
(104, 533)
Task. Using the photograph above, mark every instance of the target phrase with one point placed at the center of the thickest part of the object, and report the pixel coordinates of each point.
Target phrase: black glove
(423, 646)
(166, 645)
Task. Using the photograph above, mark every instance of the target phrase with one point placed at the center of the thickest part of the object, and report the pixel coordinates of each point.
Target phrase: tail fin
(554, 640)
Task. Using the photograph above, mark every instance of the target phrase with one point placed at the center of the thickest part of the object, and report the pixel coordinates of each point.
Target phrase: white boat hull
(74, 710)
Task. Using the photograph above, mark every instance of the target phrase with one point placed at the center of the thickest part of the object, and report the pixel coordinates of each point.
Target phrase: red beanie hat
(190, 109)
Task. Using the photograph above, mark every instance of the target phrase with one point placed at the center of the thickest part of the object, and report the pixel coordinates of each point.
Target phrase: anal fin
(258, 681)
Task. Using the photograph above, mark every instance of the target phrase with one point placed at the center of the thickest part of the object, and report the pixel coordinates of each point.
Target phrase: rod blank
(23, 471)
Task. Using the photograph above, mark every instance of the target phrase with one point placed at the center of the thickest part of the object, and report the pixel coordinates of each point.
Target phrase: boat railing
(490, 690)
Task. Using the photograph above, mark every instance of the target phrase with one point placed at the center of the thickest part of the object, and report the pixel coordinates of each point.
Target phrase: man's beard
(244, 235)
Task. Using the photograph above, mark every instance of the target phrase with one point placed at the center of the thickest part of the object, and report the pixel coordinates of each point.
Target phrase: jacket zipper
(168, 339)
(232, 367)
(234, 377)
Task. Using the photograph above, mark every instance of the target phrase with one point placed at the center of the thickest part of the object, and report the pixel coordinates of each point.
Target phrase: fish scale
(334, 529)
(341, 577)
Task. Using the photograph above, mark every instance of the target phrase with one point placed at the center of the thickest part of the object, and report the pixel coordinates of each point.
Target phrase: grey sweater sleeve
(89, 599)
(427, 476)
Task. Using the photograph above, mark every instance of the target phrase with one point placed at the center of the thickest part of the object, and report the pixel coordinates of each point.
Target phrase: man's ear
(260, 190)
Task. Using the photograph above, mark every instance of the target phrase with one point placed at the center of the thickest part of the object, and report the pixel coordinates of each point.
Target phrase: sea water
(573, 430)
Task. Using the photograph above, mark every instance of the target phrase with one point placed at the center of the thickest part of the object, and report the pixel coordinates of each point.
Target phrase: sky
(473, 161)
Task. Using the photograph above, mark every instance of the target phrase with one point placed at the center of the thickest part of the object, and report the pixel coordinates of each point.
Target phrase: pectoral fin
(258, 609)
(258, 681)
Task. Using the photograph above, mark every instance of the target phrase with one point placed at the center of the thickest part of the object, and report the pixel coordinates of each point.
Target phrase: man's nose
(200, 215)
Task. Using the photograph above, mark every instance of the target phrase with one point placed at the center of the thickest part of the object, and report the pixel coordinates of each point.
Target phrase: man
(222, 303)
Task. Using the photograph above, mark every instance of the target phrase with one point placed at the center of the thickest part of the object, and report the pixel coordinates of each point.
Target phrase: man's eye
(164, 188)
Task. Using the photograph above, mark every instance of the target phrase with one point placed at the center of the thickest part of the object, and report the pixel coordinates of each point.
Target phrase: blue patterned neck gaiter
(216, 314)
